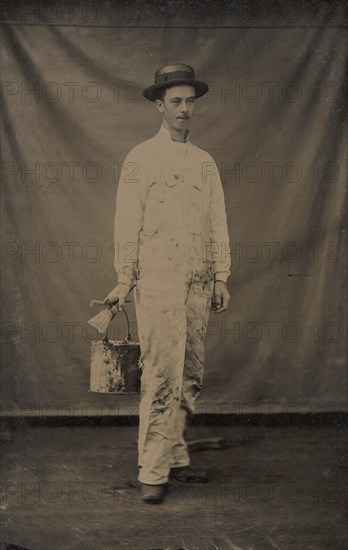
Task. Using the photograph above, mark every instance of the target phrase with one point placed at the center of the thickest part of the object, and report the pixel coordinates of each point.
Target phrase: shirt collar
(164, 133)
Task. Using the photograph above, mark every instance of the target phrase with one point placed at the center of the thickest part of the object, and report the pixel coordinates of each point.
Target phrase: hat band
(177, 75)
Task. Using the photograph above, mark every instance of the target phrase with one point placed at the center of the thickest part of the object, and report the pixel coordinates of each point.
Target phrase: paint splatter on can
(115, 367)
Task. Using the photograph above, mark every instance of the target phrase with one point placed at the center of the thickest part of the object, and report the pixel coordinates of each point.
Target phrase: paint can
(115, 365)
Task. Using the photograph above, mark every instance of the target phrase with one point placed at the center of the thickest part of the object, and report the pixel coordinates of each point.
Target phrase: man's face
(177, 106)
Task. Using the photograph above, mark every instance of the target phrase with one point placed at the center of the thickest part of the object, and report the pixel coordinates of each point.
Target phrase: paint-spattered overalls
(171, 238)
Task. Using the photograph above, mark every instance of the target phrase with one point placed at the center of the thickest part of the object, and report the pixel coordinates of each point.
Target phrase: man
(172, 242)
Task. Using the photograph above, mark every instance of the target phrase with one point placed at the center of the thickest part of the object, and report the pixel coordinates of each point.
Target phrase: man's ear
(159, 105)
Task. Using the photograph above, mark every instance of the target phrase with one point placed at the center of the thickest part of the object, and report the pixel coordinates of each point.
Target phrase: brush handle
(97, 303)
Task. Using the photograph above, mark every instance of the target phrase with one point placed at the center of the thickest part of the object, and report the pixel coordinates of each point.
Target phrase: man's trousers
(172, 317)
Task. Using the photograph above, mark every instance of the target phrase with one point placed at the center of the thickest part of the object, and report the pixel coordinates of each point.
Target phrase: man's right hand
(117, 296)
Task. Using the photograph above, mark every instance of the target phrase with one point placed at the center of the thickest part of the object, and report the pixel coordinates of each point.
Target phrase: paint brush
(101, 320)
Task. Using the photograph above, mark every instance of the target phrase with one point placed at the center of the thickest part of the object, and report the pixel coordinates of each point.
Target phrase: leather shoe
(186, 474)
(152, 494)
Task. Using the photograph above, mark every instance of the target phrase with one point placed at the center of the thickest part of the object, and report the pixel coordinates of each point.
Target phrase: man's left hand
(220, 298)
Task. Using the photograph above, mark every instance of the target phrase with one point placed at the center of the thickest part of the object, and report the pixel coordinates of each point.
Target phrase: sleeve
(128, 218)
(219, 236)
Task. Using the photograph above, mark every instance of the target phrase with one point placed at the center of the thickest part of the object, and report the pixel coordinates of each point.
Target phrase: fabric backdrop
(273, 120)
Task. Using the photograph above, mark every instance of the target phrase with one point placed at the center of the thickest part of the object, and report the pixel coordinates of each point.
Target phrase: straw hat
(175, 74)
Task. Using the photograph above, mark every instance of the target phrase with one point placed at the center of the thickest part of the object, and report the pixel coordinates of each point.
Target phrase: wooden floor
(271, 488)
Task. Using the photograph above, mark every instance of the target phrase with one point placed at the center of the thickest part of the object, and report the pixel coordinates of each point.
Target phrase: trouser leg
(161, 319)
(197, 315)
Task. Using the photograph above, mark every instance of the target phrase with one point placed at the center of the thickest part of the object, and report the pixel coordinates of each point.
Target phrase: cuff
(124, 279)
(221, 276)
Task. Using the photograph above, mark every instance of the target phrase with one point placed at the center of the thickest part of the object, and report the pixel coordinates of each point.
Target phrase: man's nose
(184, 107)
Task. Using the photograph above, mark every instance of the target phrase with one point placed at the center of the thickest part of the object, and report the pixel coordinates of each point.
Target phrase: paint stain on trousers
(172, 315)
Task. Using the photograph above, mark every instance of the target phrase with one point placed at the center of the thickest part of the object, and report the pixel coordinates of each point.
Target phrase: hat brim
(201, 88)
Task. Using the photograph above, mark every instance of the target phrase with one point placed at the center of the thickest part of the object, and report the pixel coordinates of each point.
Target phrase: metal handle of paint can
(128, 337)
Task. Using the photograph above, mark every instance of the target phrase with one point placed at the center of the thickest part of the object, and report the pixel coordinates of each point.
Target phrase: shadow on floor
(75, 488)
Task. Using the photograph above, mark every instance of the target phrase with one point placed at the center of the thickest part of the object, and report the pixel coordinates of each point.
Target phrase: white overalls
(171, 238)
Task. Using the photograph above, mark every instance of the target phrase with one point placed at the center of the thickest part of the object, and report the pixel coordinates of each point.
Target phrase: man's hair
(161, 92)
